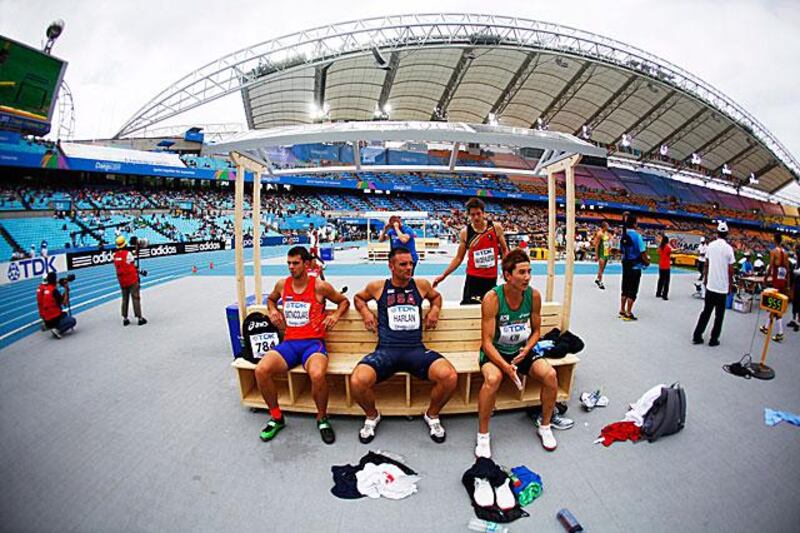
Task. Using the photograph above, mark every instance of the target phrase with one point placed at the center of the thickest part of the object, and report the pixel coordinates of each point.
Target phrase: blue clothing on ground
(747, 267)
(773, 418)
(411, 245)
(633, 251)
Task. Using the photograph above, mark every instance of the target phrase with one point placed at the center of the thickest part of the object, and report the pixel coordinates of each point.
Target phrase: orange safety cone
(211, 265)
(194, 269)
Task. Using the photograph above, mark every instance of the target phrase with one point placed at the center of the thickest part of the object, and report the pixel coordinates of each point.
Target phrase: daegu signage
(35, 267)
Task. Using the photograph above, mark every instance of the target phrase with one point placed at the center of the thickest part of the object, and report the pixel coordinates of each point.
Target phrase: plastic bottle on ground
(484, 526)
(568, 520)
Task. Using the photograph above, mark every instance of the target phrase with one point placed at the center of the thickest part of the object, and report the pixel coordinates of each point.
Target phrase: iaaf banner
(104, 257)
(35, 267)
(684, 241)
(274, 240)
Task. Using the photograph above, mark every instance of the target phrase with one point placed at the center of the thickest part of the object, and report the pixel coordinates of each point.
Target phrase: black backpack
(667, 415)
(259, 336)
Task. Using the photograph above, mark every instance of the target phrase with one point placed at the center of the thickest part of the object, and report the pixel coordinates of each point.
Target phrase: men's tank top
(512, 326)
(779, 273)
(482, 250)
(302, 312)
(399, 316)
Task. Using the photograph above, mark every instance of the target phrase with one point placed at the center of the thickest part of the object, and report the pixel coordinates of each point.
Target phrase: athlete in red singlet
(483, 240)
(304, 323)
(777, 277)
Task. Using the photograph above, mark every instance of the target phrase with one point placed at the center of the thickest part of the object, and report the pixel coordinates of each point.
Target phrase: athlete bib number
(484, 258)
(297, 313)
(262, 343)
(782, 273)
(403, 317)
(514, 334)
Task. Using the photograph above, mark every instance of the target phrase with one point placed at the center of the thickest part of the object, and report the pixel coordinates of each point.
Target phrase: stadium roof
(480, 68)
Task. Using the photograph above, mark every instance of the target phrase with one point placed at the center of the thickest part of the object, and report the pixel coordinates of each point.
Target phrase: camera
(63, 281)
(143, 273)
(138, 242)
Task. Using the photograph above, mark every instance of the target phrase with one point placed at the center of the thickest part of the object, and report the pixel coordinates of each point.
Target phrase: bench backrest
(459, 330)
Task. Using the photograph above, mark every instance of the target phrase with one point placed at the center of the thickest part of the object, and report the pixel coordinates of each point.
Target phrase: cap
(702, 239)
(121, 242)
(722, 227)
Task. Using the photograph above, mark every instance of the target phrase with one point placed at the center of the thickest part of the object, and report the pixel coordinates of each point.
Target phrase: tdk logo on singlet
(515, 328)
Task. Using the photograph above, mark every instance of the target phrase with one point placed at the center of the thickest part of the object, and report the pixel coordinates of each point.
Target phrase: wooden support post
(551, 235)
(238, 218)
(569, 267)
(257, 235)
(454, 156)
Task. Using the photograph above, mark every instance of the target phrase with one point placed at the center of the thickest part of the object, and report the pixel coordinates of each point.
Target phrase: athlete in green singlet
(510, 328)
(601, 251)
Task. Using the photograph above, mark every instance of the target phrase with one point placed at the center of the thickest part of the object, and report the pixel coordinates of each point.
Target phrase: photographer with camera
(50, 302)
(126, 264)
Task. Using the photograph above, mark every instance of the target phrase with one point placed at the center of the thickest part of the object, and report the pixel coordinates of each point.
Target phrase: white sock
(779, 322)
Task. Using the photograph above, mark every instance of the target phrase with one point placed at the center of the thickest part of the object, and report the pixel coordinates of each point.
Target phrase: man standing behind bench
(400, 348)
(303, 343)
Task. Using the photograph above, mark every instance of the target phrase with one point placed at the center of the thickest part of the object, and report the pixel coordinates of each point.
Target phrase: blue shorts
(297, 352)
(415, 360)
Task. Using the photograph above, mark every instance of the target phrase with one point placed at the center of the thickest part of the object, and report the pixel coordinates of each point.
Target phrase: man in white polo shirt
(718, 280)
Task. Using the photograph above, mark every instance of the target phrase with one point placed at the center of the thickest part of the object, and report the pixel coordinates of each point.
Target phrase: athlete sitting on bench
(400, 348)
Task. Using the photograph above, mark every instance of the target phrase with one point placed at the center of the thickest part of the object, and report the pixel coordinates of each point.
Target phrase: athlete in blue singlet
(400, 348)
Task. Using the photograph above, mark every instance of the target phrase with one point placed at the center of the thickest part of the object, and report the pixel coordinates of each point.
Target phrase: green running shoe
(271, 429)
(326, 431)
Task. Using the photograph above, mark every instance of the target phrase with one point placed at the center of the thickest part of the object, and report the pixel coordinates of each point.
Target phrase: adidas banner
(78, 260)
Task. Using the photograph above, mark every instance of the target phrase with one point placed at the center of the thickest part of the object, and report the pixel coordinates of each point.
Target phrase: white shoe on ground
(484, 493)
(546, 436)
(484, 446)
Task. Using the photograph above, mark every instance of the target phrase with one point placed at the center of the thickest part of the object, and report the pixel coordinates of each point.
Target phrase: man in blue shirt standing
(634, 260)
(400, 236)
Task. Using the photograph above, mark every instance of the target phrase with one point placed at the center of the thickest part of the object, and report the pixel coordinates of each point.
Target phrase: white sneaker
(367, 433)
(546, 436)
(436, 428)
(484, 493)
(57, 334)
(484, 446)
(505, 498)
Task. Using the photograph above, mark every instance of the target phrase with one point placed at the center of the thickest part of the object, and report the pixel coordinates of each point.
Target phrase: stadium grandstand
(353, 123)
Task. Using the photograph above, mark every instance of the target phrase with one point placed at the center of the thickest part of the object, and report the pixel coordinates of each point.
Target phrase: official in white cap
(718, 280)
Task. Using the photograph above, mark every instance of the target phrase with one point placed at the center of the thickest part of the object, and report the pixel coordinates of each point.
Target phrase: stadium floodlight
(753, 179)
(54, 30)
(387, 108)
(492, 119)
(586, 132)
(664, 150)
(626, 140)
(541, 125)
(696, 159)
(726, 170)
(561, 62)
(380, 61)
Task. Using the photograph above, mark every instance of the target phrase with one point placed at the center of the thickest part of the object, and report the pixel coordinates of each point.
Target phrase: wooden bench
(457, 337)
(379, 251)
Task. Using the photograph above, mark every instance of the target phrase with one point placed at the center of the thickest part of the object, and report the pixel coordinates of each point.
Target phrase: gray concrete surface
(140, 429)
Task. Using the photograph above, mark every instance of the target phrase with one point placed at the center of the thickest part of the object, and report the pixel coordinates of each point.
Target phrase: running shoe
(546, 436)
(713, 342)
(142, 321)
(126, 322)
(778, 337)
(326, 430)
(367, 433)
(484, 493)
(629, 317)
(505, 498)
(622, 315)
(793, 325)
(601, 286)
(435, 427)
(483, 448)
(57, 334)
(557, 421)
(271, 429)
(697, 341)
(763, 329)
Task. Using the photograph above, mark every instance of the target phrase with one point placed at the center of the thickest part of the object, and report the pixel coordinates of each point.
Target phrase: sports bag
(259, 336)
(667, 415)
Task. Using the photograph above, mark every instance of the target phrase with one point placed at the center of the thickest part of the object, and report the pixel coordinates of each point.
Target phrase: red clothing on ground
(619, 431)
(302, 312)
(664, 257)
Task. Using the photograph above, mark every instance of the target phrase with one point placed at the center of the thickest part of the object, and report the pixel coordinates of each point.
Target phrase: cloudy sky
(122, 53)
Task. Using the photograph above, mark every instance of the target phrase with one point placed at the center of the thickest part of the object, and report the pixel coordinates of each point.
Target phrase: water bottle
(476, 524)
(568, 520)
